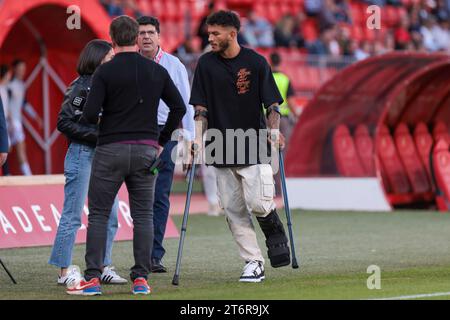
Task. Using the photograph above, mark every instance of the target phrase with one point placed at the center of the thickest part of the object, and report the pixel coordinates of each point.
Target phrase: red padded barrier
(441, 167)
(345, 154)
(410, 159)
(390, 161)
(424, 143)
(364, 147)
(440, 130)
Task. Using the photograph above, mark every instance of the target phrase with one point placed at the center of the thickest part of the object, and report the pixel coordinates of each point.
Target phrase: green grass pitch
(334, 249)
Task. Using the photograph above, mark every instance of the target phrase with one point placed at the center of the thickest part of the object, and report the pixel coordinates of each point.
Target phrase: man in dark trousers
(127, 91)
(231, 83)
(3, 136)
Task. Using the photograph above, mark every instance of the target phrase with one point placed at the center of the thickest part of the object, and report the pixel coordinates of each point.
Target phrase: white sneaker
(73, 275)
(253, 272)
(111, 276)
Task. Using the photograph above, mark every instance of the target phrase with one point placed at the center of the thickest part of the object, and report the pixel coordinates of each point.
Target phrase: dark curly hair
(225, 19)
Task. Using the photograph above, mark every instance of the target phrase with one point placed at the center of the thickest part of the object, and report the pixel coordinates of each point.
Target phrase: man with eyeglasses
(150, 47)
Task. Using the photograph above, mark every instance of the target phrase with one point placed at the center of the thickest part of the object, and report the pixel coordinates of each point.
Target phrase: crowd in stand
(116, 8)
(424, 25)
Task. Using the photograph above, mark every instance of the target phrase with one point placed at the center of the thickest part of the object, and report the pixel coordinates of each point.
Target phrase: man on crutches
(231, 83)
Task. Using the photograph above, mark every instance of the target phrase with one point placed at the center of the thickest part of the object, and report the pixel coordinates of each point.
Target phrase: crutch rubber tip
(175, 280)
(294, 264)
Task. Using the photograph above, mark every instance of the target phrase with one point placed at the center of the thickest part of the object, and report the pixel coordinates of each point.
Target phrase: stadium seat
(369, 34)
(171, 10)
(390, 16)
(197, 9)
(364, 148)
(424, 143)
(409, 3)
(440, 130)
(144, 6)
(301, 79)
(157, 10)
(183, 7)
(272, 12)
(285, 8)
(310, 29)
(259, 9)
(411, 160)
(357, 13)
(357, 33)
(313, 77)
(441, 167)
(265, 52)
(345, 155)
(296, 6)
(328, 73)
(391, 164)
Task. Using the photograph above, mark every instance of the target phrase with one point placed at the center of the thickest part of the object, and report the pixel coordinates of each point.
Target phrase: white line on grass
(416, 296)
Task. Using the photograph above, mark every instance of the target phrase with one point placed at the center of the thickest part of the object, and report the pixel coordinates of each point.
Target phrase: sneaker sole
(144, 293)
(252, 280)
(115, 282)
(64, 284)
(81, 293)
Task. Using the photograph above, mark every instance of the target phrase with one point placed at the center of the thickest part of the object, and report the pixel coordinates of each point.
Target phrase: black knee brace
(276, 240)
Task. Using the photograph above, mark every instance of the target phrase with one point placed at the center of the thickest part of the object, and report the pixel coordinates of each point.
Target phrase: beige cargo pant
(243, 192)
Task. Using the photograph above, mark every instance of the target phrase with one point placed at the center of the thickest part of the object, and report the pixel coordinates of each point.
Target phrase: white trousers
(210, 184)
(243, 192)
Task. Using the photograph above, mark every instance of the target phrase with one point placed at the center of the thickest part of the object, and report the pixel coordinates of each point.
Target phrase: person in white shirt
(149, 46)
(16, 103)
(429, 40)
(441, 34)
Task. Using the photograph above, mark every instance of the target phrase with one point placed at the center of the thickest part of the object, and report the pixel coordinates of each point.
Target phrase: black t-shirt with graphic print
(234, 92)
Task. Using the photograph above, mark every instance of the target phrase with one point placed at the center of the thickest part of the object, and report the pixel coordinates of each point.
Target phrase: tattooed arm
(201, 125)
(273, 125)
(201, 118)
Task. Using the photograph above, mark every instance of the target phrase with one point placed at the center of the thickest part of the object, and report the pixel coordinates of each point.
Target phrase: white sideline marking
(416, 296)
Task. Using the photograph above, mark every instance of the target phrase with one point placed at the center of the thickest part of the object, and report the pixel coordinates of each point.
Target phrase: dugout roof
(36, 31)
(387, 89)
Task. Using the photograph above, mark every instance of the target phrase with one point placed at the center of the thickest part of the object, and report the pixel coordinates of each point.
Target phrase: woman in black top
(77, 167)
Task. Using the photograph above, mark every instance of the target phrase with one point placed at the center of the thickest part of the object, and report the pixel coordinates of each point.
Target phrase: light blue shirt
(179, 75)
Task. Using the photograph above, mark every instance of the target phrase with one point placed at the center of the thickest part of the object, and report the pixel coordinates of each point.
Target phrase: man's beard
(223, 46)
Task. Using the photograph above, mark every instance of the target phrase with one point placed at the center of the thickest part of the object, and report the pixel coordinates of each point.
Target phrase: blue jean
(77, 170)
(161, 205)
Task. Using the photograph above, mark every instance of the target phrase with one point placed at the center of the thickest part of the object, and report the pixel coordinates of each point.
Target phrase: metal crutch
(287, 210)
(176, 276)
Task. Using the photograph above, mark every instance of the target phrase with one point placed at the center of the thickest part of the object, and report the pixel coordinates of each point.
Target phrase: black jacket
(70, 122)
(129, 89)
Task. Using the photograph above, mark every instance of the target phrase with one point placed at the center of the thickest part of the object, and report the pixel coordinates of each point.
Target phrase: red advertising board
(30, 214)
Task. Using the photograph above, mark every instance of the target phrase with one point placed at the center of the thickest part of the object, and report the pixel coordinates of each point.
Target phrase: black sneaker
(158, 267)
(253, 272)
